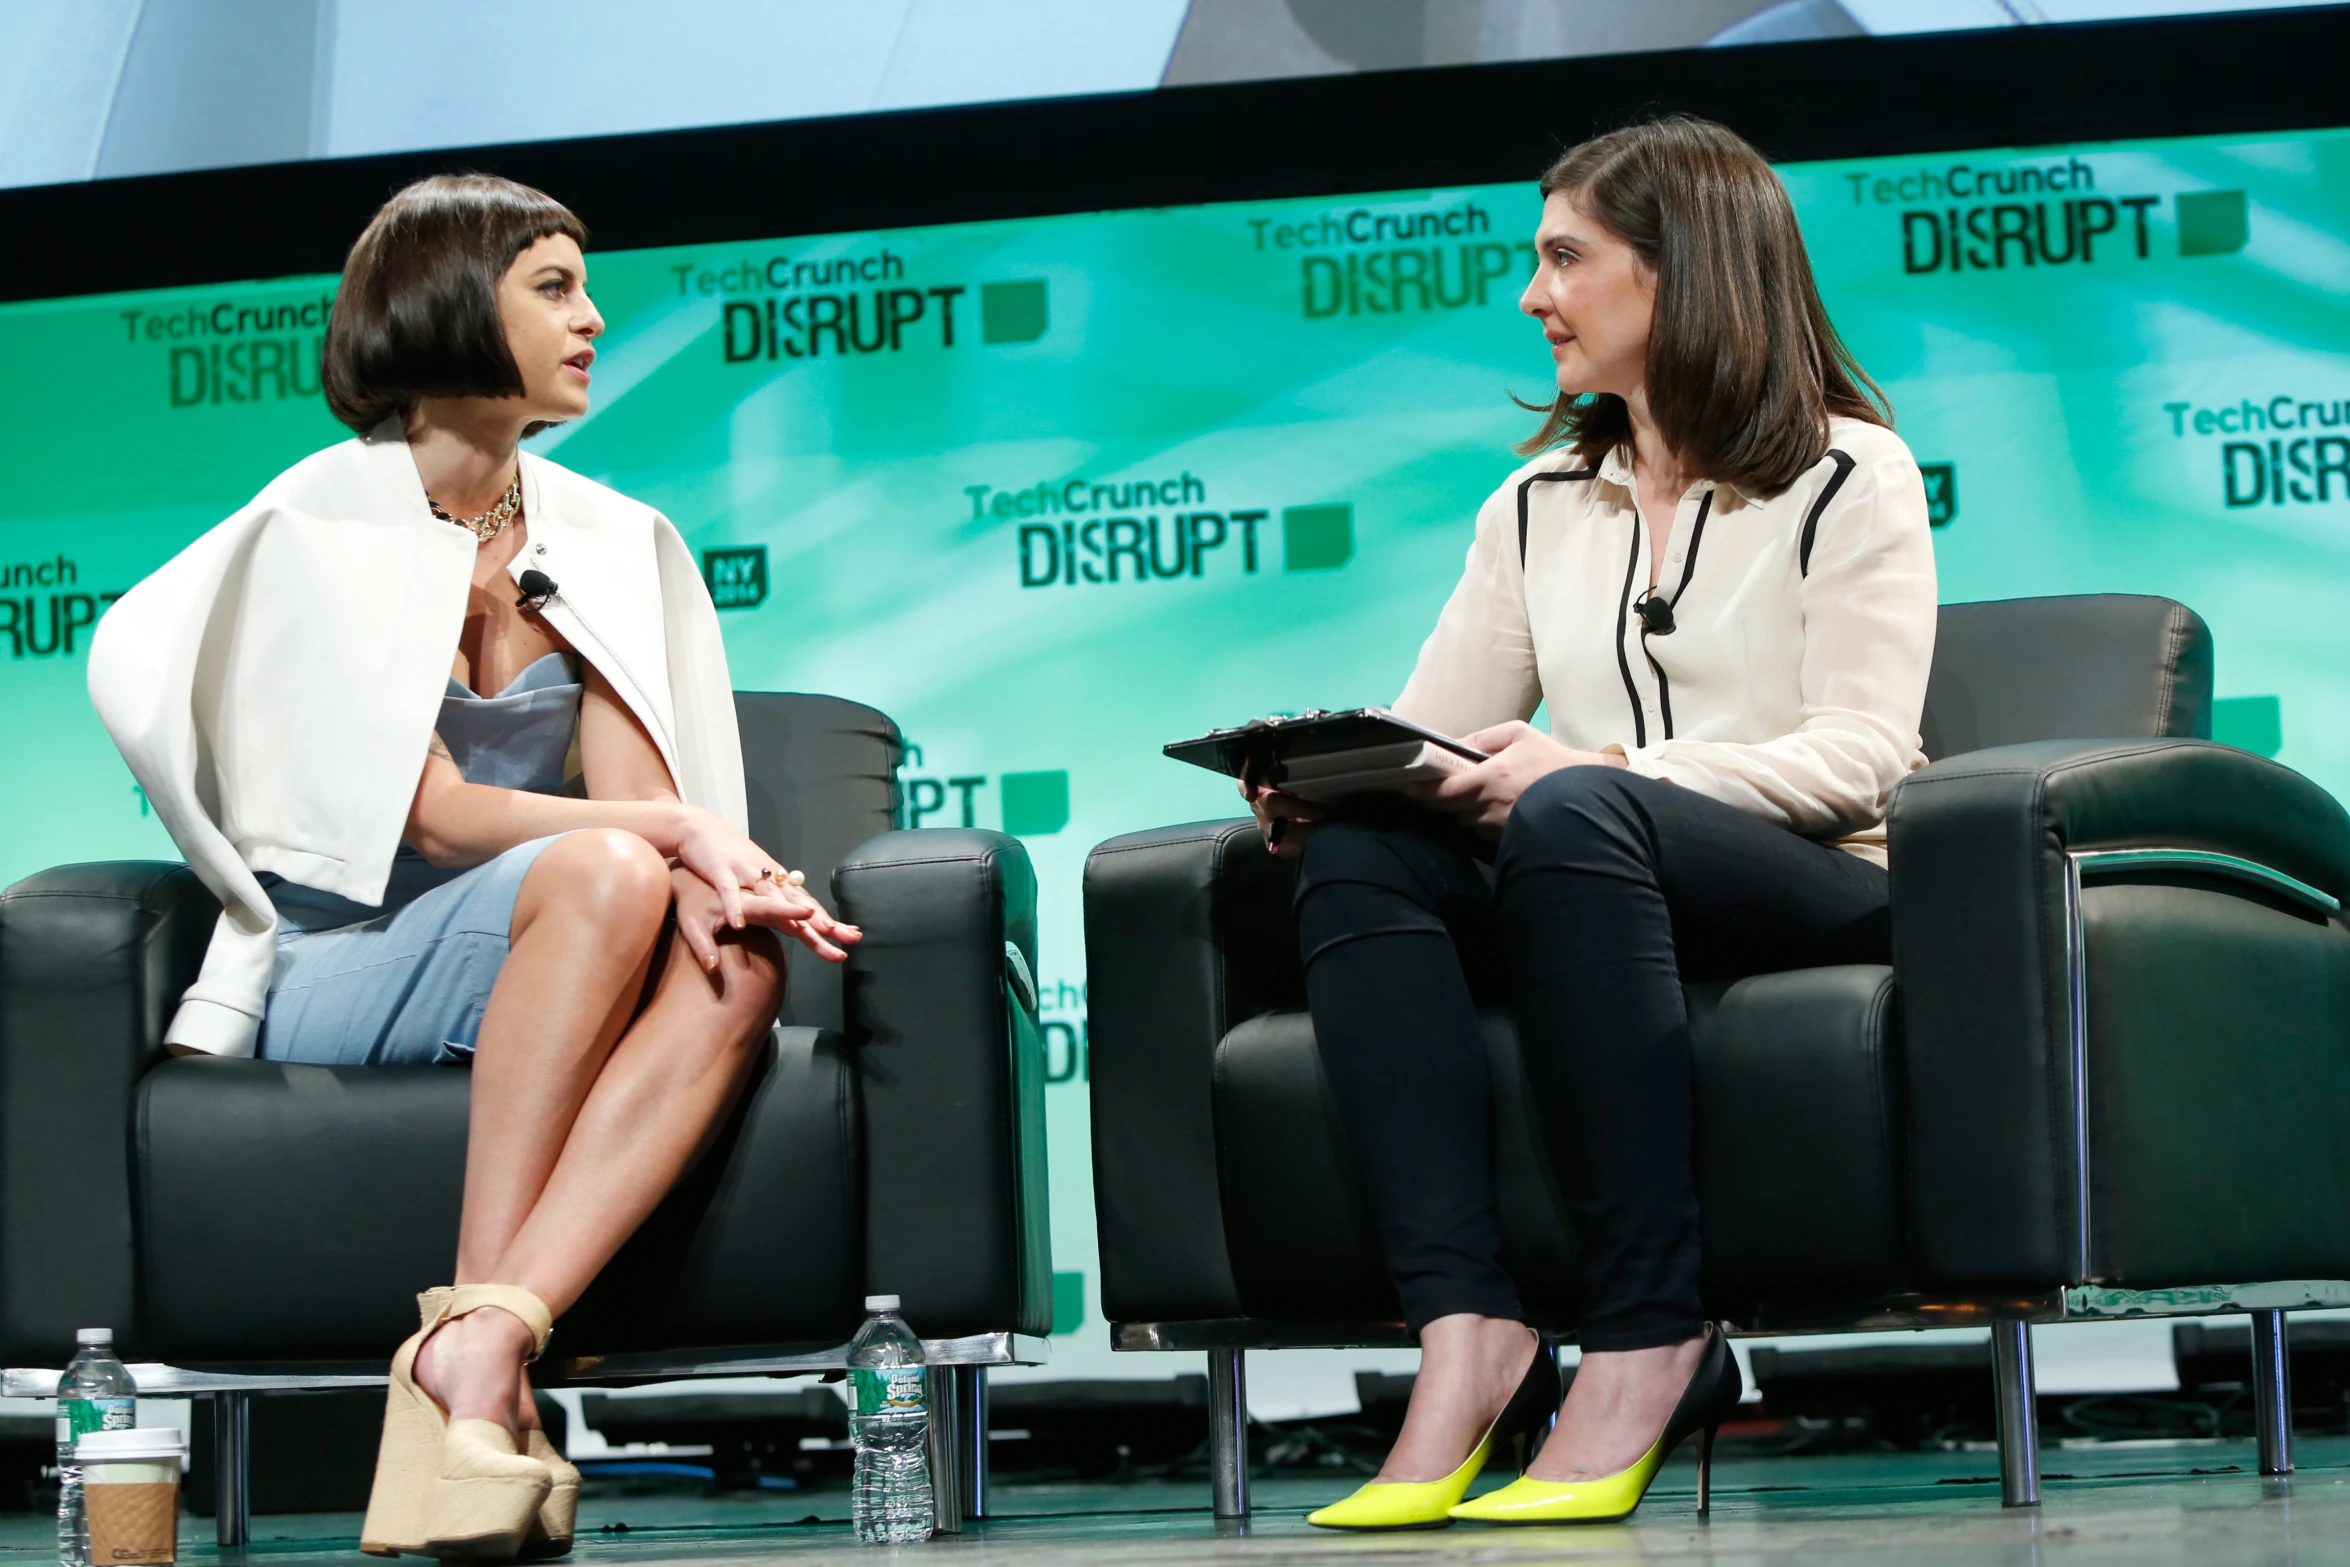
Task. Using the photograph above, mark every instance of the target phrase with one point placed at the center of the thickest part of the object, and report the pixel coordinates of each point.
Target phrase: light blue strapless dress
(403, 983)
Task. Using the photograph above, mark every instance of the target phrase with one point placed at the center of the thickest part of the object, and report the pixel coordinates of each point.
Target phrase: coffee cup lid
(142, 1442)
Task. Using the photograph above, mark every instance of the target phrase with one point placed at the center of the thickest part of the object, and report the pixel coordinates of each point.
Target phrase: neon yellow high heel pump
(1714, 1390)
(1424, 1504)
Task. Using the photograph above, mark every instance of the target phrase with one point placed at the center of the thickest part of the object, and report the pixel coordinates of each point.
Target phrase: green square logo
(1317, 538)
(2213, 222)
(1068, 1302)
(2249, 723)
(1035, 803)
(1941, 492)
(1012, 312)
(737, 578)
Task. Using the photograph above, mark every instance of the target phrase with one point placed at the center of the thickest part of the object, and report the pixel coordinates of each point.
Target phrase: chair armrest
(940, 1002)
(1985, 897)
(93, 958)
(1188, 931)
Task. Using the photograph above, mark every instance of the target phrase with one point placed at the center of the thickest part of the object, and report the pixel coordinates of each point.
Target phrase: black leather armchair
(260, 1226)
(2106, 1074)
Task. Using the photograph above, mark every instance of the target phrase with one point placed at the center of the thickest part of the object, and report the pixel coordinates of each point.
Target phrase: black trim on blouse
(1811, 523)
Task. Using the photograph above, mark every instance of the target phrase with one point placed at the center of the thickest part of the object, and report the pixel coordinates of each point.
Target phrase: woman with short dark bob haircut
(1717, 574)
(449, 731)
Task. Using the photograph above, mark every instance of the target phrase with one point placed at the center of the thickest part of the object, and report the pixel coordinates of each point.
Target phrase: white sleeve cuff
(212, 1029)
(1643, 760)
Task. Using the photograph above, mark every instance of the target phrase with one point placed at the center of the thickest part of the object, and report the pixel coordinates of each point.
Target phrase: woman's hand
(1517, 753)
(1284, 820)
(748, 888)
(713, 849)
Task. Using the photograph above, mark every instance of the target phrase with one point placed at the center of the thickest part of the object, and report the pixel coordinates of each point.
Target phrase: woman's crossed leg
(607, 1057)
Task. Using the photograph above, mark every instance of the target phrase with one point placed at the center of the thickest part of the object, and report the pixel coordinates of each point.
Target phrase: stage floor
(2139, 1506)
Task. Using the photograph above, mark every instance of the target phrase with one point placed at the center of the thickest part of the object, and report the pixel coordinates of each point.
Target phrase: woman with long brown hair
(1717, 574)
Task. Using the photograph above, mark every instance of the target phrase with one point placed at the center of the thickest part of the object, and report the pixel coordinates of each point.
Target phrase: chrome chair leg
(1228, 1429)
(973, 1401)
(2272, 1392)
(232, 1457)
(2013, 1395)
(948, 1464)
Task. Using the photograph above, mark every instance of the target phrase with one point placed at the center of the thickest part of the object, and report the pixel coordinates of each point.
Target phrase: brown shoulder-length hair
(1744, 369)
(417, 312)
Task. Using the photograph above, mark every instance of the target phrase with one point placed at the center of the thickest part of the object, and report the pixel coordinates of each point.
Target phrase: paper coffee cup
(131, 1493)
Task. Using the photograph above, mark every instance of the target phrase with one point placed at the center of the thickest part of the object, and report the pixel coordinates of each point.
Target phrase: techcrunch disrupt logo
(46, 621)
(810, 304)
(2298, 464)
(782, 275)
(231, 352)
(1380, 271)
(1089, 545)
(1363, 226)
(1035, 804)
(1965, 217)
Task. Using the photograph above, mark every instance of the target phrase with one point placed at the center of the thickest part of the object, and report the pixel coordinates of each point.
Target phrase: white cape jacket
(275, 684)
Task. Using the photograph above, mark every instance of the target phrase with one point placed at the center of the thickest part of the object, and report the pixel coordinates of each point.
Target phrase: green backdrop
(1054, 492)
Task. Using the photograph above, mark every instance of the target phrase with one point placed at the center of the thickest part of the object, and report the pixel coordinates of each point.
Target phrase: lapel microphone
(1653, 608)
(537, 587)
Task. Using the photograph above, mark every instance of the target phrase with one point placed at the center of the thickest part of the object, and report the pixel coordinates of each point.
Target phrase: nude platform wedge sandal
(453, 1488)
(552, 1533)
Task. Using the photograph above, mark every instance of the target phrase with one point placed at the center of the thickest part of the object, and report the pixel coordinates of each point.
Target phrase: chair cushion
(1799, 1159)
(291, 1213)
(1801, 1143)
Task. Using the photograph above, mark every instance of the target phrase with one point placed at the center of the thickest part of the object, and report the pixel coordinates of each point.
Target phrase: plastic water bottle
(890, 1422)
(95, 1394)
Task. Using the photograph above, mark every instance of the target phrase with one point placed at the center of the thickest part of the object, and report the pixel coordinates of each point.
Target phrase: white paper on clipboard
(1383, 770)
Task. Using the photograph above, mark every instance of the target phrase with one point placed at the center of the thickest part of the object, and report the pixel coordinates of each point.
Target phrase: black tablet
(1317, 744)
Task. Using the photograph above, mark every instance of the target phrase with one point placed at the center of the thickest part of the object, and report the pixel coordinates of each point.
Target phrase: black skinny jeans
(1607, 892)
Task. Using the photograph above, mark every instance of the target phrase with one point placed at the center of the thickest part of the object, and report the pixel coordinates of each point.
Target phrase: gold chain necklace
(490, 523)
